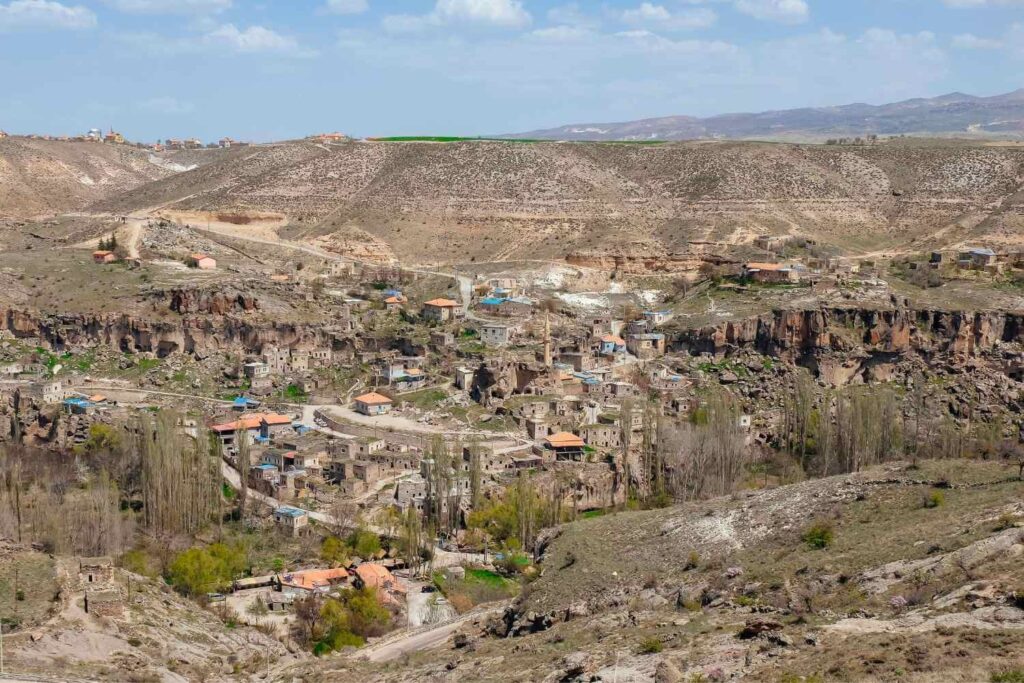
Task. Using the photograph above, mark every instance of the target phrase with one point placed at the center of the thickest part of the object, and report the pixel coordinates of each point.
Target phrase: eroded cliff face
(199, 334)
(790, 334)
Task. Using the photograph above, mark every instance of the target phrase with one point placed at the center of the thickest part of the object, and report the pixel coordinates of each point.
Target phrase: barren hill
(1000, 116)
(497, 200)
(43, 177)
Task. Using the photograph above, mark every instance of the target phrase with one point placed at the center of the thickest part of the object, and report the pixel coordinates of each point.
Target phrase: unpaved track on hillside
(423, 639)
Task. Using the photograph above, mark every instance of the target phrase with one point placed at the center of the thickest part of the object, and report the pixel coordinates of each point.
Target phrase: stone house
(373, 403)
(646, 345)
(601, 435)
(291, 520)
(104, 602)
(95, 570)
(440, 310)
(495, 335)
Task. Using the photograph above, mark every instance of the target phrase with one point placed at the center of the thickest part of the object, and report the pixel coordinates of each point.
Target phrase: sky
(279, 69)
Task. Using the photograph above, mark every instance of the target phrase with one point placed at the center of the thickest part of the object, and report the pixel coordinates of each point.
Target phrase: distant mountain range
(955, 114)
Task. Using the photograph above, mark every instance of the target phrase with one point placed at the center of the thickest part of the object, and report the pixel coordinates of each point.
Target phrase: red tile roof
(373, 399)
(251, 422)
(442, 303)
(314, 578)
(564, 440)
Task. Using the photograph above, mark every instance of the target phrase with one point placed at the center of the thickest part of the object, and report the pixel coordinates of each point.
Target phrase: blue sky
(279, 69)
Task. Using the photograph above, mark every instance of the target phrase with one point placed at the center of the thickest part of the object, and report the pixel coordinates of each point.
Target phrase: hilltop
(959, 114)
(46, 177)
(450, 202)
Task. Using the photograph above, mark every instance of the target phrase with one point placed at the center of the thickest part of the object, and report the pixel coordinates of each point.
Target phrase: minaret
(547, 339)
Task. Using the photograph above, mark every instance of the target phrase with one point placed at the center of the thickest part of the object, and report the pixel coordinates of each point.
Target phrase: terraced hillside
(494, 200)
(46, 177)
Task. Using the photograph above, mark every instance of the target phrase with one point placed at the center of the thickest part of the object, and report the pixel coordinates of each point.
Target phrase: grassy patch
(480, 586)
(425, 399)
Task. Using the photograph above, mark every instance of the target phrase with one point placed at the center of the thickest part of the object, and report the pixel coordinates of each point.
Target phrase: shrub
(818, 536)
(692, 562)
(651, 646)
(1009, 676)
(1005, 521)
(933, 500)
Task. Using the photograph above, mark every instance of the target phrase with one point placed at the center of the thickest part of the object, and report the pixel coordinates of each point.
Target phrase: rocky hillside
(145, 631)
(906, 573)
(1001, 116)
(45, 177)
(495, 200)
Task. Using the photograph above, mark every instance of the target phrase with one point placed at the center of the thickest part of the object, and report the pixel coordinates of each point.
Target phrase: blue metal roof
(493, 301)
(289, 511)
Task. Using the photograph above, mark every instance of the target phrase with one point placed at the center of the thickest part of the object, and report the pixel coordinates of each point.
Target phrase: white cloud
(782, 11)
(969, 41)
(408, 23)
(649, 14)
(347, 6)
(652, 42)
(508, 13)
(251, 39)
(571, 15)
(171, 6)
(493, 13)
(166, 105)
(563, 34)
(44, 14)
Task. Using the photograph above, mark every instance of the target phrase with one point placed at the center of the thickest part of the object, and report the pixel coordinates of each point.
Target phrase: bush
(933, 500)
(651, 646)
(692, 562)
(1005, 521)
(364, 544)
(818, 536)
(1009, 676)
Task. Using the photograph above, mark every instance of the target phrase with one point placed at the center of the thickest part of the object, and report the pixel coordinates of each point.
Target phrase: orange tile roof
(564, 440)
(101, 252)
(98, 398)
(314, 578)
(612, 339)
(378, 576)
(198, 257)
(251, 422)
(395, 300)
(373, 398)
(442, 303)
(765, 266)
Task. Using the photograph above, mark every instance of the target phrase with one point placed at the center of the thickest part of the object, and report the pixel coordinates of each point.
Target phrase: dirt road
(424, 639)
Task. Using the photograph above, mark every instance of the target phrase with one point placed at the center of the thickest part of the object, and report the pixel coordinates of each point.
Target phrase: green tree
(364, 543)
(197, 572)
(335, 551)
